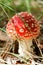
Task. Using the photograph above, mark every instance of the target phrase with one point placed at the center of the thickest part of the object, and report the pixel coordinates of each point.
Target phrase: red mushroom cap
(23, 25)
(10, 30)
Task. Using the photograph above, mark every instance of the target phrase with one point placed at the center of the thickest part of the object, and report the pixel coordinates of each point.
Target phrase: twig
(32, 55)
(1, 60)
(16, 55)
(38, 47)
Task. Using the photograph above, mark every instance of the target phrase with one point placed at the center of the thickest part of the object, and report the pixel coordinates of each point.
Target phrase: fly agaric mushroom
(23, 27)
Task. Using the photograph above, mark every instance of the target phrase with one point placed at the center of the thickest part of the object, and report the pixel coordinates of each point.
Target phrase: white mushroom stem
(24, 45)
